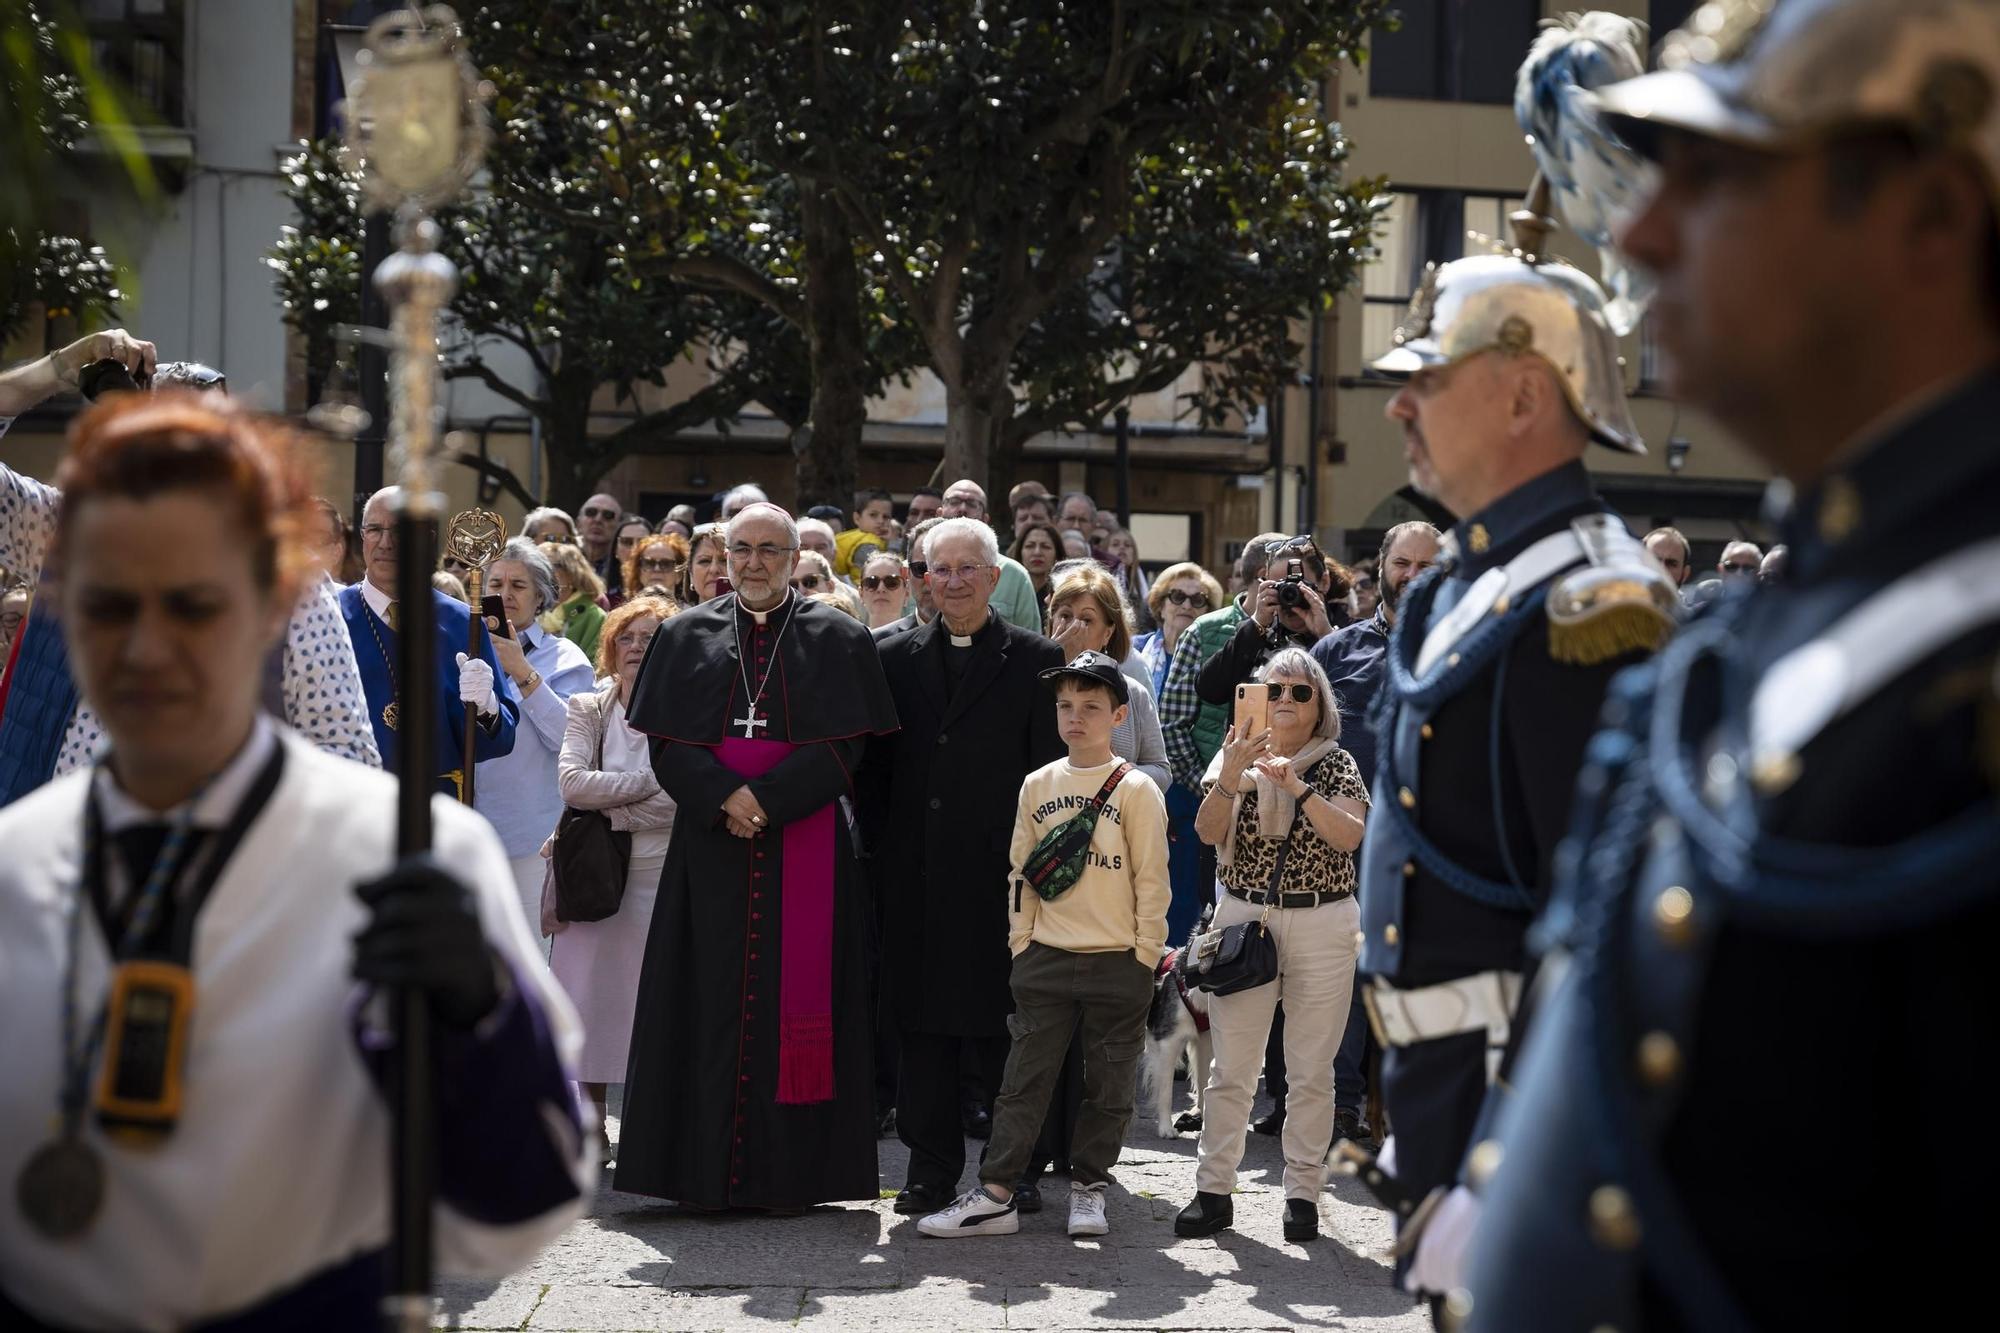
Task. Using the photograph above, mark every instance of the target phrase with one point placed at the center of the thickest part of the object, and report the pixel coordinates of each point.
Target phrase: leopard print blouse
(1314, 865)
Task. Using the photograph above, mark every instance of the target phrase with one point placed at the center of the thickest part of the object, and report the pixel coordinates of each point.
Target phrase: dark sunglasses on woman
(890, 581)
(1198, 600)
(1301, 694)
(808, 582)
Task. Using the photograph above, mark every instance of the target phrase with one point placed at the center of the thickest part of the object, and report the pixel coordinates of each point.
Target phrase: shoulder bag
(590, 858)
(1243, 956)
(1057, 862)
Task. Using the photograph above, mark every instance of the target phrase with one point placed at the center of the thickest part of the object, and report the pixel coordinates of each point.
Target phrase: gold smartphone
(1253, 709)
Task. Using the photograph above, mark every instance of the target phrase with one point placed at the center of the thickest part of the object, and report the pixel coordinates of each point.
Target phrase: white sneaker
(973, 1213)
(1086, 1210)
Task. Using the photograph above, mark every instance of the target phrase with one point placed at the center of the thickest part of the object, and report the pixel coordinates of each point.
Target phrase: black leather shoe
(1027, 1196)
(916, 1198)
(1206, 1215)
(978, 1121)
(1301, 1220)
(1349, 1125)
(1271, 1123)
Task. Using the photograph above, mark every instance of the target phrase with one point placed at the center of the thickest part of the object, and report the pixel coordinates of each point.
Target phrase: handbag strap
(1278, 869)
(604, 702)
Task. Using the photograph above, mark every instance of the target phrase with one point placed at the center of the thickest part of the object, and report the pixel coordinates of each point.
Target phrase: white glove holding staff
(475, 685)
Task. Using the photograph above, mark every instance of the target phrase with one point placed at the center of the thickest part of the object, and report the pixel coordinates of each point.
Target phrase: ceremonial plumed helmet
(1505, 303)
(1783, 74)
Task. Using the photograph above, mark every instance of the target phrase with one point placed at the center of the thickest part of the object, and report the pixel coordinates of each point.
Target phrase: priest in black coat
(751, 1079)
(939, 814)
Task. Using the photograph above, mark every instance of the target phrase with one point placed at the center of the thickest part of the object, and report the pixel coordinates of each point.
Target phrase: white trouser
(1316, 957)
(528, 873)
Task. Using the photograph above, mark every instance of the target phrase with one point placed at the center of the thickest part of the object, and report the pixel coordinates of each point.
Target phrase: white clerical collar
(965, 640)
(217, 804)
(761, 616)
(378, 601)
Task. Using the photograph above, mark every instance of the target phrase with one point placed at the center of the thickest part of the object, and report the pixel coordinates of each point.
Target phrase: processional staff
(416, 132)
(473, 538)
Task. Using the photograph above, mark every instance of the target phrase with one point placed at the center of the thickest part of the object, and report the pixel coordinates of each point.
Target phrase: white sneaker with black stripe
(1086, 1210)
(973, 1213)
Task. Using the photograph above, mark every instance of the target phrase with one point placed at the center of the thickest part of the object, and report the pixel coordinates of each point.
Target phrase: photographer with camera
(27, 386)
(1289, 606)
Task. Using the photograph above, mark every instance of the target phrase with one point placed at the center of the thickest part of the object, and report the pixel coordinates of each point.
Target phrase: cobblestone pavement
(637, 1263)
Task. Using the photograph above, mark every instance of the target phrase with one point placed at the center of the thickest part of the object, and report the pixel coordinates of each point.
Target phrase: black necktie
(139, 849)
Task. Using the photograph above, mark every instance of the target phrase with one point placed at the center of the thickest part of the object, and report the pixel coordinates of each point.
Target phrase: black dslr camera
(1291, 588)
(111, 376)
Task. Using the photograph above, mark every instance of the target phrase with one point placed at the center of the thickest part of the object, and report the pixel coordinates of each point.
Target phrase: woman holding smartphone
(1284, 806)
(517, 792)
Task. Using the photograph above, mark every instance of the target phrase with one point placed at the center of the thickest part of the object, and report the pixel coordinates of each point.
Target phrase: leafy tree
(51, 97)
(591, 178)
(1016, 169)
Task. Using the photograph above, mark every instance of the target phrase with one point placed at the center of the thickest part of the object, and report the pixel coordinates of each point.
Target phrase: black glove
(423, 931)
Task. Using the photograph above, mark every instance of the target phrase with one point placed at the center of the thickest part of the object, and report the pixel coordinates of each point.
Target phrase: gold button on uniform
(1390, 934)
(1409, 870)
(1659, 1058)
(1614, 1222)
(1673, 914)
(1453, 660)
(1425, 731)
(1482, 1162)
(1408, 798)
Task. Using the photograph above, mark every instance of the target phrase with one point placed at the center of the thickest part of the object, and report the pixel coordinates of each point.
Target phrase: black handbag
(1243, 956)
(590, 859)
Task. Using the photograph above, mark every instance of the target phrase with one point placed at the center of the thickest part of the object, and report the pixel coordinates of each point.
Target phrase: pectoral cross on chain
(750, 722)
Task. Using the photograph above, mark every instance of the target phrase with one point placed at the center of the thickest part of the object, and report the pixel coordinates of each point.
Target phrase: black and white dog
(1177, 1026)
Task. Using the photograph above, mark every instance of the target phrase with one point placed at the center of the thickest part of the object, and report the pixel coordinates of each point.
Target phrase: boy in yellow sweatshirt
(1087, 924)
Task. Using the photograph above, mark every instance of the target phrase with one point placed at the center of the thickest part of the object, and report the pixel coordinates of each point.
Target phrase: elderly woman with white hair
(517, 792)
(1284, 806)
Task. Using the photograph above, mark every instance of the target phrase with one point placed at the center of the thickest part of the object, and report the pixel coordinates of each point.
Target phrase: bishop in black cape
(751, 1078)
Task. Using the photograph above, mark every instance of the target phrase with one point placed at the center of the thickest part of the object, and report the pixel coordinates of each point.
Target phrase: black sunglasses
(600, 513)
(654, 562)
(1301, 694)
(809, 582)
(890, 581)
(1199, 600)
(919, 568)
(1738, 567)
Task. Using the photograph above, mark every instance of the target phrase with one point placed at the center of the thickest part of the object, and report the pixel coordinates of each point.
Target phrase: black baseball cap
(1091, 666)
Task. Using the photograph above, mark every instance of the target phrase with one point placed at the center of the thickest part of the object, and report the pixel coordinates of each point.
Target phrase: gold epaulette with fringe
(1621, 602)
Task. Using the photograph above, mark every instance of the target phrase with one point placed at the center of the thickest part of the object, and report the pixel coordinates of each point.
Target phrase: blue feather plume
(1596, 180)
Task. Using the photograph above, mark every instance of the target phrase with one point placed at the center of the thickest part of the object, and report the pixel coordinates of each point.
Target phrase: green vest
(1212, 631)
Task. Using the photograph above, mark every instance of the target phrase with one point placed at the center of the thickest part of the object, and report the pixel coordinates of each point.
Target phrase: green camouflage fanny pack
(1057, 862)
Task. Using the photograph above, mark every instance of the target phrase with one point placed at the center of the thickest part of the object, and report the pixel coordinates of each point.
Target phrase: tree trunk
(827, 454)
(1005, 467)
(575, 464)
(968, 437)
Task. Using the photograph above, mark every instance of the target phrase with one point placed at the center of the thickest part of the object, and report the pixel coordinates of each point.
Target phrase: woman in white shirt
(221, 1156)
(608, 766)
(517, 792)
